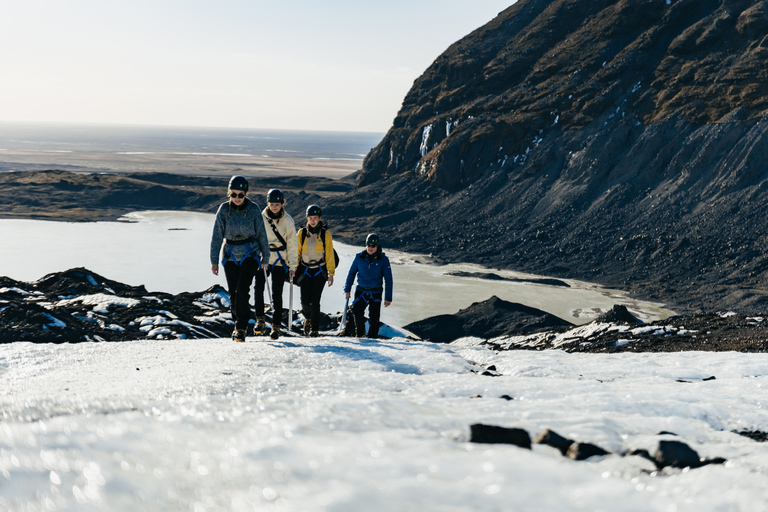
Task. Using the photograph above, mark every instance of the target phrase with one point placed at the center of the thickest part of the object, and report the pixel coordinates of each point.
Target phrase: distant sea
(18, 139)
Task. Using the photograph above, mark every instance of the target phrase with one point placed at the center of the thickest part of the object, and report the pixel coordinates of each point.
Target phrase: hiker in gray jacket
(240, 225)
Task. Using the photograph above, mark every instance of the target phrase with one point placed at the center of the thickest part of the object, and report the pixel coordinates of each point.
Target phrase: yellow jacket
(303, 240)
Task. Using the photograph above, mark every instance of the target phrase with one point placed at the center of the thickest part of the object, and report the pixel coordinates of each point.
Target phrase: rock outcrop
(79, 305)
(487, 319)
(622, 142)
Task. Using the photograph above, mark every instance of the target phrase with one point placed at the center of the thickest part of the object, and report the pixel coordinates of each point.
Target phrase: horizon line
(149, 125)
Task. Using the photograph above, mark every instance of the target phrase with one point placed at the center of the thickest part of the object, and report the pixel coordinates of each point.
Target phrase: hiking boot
(238, 335)
(275, 332)
(261, 327)
(314, 333)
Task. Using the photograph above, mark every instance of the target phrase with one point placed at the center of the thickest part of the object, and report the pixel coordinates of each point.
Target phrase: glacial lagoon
(168, 252)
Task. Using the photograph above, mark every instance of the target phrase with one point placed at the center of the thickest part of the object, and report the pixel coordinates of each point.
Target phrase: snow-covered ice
(338, 424)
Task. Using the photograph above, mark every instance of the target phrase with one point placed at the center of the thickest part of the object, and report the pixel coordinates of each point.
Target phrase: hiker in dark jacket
(240, 225)
(317, 265)
(374, 279)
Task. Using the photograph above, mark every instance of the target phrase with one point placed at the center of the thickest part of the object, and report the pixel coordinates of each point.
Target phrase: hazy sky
(295, 64)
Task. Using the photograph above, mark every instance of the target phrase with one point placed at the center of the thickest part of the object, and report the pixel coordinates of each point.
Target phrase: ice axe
(290, 302)
(269, 289)
(343, 317)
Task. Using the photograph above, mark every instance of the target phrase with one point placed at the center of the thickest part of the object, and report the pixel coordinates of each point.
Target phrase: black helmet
(313, 210)
(372, 240)
(275, 196)
(238, 183)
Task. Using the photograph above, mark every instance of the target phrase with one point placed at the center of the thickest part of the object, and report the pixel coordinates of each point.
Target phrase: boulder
(488, 319)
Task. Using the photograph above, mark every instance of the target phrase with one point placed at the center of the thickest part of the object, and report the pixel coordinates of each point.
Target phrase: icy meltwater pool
(168, 252)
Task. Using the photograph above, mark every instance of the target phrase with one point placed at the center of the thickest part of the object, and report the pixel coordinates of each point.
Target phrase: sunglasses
(235, 195)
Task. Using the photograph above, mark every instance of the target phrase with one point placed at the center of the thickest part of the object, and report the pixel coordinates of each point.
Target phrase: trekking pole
(290, 302)
(343, 317)
(269, 289)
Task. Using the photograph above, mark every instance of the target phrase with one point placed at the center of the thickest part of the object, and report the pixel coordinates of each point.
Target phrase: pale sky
(283, 64)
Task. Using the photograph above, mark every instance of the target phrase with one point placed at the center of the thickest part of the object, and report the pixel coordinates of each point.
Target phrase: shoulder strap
(277, 233)
(303, 235)
(303, 232)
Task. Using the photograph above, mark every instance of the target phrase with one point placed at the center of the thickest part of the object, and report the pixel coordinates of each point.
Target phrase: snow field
(338, 424)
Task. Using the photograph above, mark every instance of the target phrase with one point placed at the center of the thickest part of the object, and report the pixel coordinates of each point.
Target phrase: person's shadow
(355, 352)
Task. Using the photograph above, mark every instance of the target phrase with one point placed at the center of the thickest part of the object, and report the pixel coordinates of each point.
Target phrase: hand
(215, 269)
(330, 281)
(387, 303)
(346, 295)
(291, 273)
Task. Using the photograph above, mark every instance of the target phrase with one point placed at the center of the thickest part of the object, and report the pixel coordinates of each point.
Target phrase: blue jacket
(371, 271)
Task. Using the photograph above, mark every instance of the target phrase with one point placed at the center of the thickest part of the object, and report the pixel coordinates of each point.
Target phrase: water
(117, 148)
(168, 252)
(119, 139)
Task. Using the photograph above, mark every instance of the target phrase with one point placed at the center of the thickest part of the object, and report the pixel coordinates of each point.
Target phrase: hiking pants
(372, 301)
(311, 292)
(279, 277)
(239, 279)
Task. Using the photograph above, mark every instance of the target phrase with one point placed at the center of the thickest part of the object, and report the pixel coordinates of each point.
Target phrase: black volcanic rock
(553, 439)
(79, 305)
(676, 454)
(492, 434)
(716, 332)
(618, 315)
(583, 451)
(620, 142)
(487, 319)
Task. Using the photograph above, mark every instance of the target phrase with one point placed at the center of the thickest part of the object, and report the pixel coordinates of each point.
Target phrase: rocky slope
(622, 142)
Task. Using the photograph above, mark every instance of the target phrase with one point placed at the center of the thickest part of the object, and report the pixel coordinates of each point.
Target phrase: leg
(374, 312)
(306, 298)
(258, 293)
(318, 284)
(232, 272)
(358, 310)
(244, 281)
(278, 280)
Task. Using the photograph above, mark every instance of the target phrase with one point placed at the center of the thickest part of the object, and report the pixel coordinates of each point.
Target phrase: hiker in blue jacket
(374, 279)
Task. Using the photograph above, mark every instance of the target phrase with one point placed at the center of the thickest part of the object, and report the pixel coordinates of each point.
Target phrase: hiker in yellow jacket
(317, 265)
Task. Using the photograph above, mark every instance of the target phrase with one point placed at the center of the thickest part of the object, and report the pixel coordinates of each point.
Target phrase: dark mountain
(621, 142)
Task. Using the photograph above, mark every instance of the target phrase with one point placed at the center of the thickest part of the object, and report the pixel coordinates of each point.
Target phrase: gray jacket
(239, 224)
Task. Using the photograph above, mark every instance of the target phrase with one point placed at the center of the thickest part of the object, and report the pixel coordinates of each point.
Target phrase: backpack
(303, 232)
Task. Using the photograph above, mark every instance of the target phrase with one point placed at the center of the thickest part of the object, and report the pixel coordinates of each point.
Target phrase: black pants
(279, 277)
(311, 292)
(239, 279)
(372, 301)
